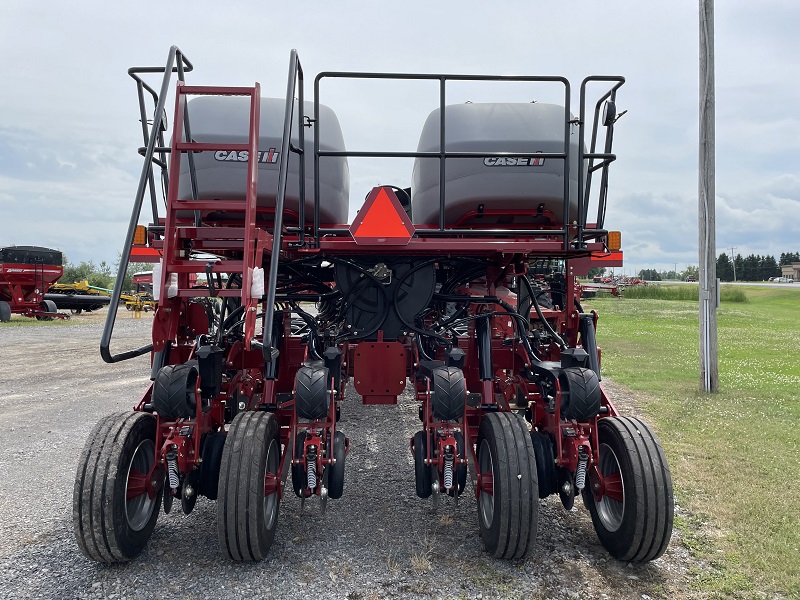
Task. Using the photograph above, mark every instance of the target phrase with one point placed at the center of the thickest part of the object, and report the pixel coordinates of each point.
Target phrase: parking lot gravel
(378, 541)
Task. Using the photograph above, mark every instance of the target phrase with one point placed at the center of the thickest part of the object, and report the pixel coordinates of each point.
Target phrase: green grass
(728, 293)
(735, 455)
(20, 321)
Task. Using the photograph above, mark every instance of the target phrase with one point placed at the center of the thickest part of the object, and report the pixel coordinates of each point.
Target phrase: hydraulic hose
(547, 326)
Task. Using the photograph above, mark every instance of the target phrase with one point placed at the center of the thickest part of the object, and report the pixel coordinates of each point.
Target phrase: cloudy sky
(69, 130)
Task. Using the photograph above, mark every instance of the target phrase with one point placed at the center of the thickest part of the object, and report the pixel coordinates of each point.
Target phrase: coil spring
(311, 459)
(448, 470)
(580, 473)
(172, 469)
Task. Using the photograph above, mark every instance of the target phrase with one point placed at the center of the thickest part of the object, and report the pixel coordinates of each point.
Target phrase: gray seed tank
(222, 174)
(512, 184)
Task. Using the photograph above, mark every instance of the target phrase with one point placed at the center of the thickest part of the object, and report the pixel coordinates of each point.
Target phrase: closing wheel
(633, 518)
(174, 392)
(422, 472)
(449, 393)
(508, 503)
(247, 502)
(312, 393)
(336, 470)
(5, 311)
(299, 479)
(113, 514)
(546, 473)
(583, 401)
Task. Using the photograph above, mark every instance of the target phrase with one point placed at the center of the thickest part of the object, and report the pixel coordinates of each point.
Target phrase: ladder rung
(207, 90)
(198, 266)
(210, 146)
(219, 233)
(232, 205)
(211, 233)
(203, 292)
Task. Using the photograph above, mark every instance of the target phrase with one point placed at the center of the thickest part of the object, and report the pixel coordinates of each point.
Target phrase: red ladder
(227, 239)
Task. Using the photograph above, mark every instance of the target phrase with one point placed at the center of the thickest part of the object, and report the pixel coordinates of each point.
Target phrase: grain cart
(431, 288)
(26, 273)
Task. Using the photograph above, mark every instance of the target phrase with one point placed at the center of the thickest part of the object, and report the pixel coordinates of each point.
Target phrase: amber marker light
(614, 241)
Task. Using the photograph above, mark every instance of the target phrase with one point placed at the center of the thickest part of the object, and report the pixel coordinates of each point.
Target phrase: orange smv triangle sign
(382, 220)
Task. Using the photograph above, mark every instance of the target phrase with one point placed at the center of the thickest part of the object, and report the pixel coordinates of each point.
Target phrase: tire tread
(649, 522)
(99, 536)
(449, 393)
(240, 519)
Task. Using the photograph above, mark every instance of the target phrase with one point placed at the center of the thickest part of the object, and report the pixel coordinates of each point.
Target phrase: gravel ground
(378, 541)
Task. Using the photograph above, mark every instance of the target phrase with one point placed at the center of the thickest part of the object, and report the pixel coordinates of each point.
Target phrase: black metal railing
(154, 141)
(294, 84)
(443, 155)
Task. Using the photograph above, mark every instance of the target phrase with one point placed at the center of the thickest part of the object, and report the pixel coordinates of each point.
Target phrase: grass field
(735, 455)
(728, 293)
(20, 321)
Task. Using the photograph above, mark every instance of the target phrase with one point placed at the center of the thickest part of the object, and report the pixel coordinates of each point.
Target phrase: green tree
(596, 272)
(724, 268)
(98, 276)
(649, 275)
(133, 268)
(788, 258)
(749, 270)
(770, 268)
(738, 267)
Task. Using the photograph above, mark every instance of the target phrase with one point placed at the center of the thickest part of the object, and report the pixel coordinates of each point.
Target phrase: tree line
(753, 267)
(102, 275)
(749, 268)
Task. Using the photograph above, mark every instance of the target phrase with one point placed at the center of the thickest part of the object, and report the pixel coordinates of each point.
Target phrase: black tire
(336, 471)
(460, 471)
(109, 528)
(47, 306)
(5, 311)
(638, 528)
(174, 392)
(312, 397)
(546, 473)
(542, 294)
(508, 517)
(422, 472)
(211, 452)
(583, 387)
(246, 517)
(299, 478)
(448, 393)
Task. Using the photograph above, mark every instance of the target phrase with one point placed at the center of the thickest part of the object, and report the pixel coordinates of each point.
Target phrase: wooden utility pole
(709, 366)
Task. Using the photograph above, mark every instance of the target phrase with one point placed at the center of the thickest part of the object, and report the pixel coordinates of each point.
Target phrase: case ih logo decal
(512, 161)
(270, 156)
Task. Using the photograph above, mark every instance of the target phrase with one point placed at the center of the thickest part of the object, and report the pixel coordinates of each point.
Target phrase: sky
(69, 128)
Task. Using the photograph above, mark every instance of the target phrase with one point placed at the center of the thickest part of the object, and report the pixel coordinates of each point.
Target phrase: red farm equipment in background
(26, 273)
(461, 288)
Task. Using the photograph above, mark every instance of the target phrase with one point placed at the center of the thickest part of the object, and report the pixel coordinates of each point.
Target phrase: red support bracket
(485, 484)
(272, 484)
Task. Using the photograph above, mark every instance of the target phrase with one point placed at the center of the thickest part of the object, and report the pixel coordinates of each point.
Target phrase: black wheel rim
(609, 510)
(271, 500)
(139, 509)
(486, 500)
